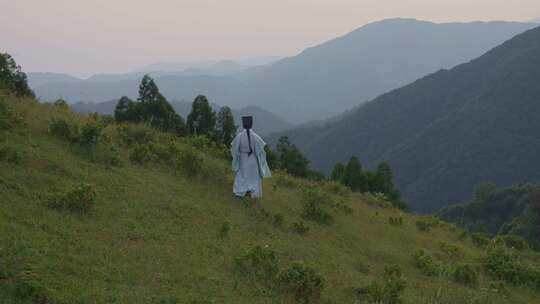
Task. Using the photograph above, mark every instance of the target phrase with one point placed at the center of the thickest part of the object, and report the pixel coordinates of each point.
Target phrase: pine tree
(226, 129)
(202, 119)
(338, 173)
(291, 159)
(148, 90)
(353, 175)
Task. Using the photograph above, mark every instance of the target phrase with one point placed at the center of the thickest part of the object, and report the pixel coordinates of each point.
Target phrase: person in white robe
(248, 161)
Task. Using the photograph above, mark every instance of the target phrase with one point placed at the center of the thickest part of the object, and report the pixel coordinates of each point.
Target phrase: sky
(85, 37)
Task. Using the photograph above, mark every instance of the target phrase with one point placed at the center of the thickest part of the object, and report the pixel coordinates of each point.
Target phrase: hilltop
(447, 131)
(126, 214)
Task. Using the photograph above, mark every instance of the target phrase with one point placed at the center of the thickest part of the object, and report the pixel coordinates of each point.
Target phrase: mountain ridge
(444, 128)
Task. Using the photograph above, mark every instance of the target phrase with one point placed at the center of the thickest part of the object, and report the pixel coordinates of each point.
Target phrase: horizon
(106, 39)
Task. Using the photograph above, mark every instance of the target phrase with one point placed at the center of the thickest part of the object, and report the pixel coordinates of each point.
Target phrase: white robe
(249, 170)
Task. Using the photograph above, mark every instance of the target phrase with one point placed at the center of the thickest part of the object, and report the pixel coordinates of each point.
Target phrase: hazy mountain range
(322, 81)
(448, 131)
(264, 122)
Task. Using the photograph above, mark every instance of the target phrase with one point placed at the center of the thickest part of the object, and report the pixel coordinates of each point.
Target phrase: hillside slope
(448, 131)
(162, 232)
(326, 79)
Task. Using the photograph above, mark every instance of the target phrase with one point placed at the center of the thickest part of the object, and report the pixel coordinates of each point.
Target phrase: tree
(202, 119)
(271, 158)
(291, 159)
(226, 129)
(12, 78)
(353, 175)
(338, 173)
(123, 109)
(148, 90)
(151, 107)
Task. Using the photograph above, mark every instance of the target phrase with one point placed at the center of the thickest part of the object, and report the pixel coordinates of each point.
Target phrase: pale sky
(83, 37)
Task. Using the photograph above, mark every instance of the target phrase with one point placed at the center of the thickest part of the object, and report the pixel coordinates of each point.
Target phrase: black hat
(247, 122)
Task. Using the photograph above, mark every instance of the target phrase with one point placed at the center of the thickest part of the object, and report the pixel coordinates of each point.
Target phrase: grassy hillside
(166, 229)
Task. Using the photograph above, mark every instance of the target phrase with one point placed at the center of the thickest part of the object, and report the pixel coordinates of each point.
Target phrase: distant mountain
(448, 131)
(265, 122)
(38, 79)
(325, 80)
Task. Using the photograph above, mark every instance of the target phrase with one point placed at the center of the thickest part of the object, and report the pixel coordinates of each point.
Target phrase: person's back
(249, 161)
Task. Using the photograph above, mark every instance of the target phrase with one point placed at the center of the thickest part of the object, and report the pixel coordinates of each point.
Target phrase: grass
(152, 235)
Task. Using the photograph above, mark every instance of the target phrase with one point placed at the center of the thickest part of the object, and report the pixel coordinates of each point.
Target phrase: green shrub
(504, 264)
(224, 230)
(336, 188)
(200, 142)
(89, 135)
(81, 199)
(452, 251)
(285, 181)
(313, 201)
(302, 281)
(28, 286)
(513, 241)
(9, 119)
(389, 291)
(426, 224)
(64, 130)
(136, 134)
(426, 264)
(141, 154)
(189, 161)
(10, 155)
(395, 221)
(107, 154)
(278, 220)
(466, 275)
(260, 262)
(300, 228)
(480, 239)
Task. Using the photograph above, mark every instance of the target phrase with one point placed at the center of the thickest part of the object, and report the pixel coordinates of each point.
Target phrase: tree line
(152, 107)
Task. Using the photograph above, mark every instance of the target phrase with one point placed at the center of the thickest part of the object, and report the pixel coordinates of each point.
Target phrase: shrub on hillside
(425, 224)
(512, 241)
(65, 130)
(285, 181)
(314, 199)
(426, 263)
(389, 291)
(504, 264)
(81, 199)
(278, 220)
(189, 161)
(89, 135)
(300, 227)
(224, 230)
(9, 119)
(480, 239)
(260, 262)
(28, 286)
(395, 221)
(302, 281)
(466, 275)
(10, 154)
(136, 134)
(141, 154)
(452, 251)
